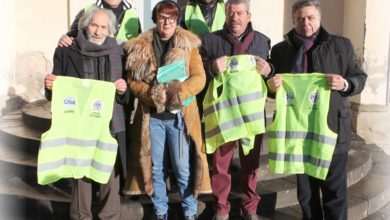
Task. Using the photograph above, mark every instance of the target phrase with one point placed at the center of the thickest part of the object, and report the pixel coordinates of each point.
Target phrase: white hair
(86, 19)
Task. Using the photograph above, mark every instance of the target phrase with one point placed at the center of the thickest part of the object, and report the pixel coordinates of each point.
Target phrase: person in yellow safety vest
(310, 48)
(96, 55)
(236, 38)
(127, 25)
(203, 16)
(299, 139)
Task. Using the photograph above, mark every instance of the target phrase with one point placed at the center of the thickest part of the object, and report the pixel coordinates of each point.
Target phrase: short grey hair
(236, 2)
(86, 19)
(304, 3)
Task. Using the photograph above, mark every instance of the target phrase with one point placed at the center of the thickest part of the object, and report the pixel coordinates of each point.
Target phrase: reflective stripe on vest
(129, 26)
(299, 139)
(196, 23)
(238, 111)
(79, 142)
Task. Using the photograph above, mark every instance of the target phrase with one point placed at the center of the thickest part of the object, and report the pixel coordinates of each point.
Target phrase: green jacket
(195, 21)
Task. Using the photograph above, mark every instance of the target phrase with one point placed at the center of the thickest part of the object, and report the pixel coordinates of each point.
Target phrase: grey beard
(98, 43)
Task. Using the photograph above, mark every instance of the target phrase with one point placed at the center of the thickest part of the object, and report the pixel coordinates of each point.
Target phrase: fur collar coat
(141, 68)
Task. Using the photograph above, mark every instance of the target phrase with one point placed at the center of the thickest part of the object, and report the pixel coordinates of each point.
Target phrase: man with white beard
(96, 55)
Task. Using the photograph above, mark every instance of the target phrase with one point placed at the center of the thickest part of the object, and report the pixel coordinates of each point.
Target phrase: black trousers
(334, 192)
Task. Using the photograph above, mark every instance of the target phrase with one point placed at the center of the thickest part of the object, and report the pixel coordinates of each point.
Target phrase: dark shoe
(221, 217)
(162, 217)
(251, 217)
(192, 217)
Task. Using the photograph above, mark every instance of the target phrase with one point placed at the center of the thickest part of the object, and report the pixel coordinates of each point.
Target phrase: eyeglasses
(163, 19)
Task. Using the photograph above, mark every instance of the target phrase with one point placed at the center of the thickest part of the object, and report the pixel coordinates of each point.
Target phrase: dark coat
(68, 61)
(329, 54)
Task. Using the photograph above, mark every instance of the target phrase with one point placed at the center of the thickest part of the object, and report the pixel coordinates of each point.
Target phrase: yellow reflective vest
(299, 139)
(78, 142)
(196, 23)
(234, 105)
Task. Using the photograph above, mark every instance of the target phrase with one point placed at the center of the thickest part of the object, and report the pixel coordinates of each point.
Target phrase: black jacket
(329, 54)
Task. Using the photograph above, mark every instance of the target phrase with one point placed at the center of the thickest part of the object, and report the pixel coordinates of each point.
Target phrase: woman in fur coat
(163, 129)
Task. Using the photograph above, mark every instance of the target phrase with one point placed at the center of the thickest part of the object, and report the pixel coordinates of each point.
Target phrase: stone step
(22, 181)
(14, 133)
(368, 199)
(275, 193)
(381, 214)
(36, 115)
(16, 156)
(20, 144)
(13, 207)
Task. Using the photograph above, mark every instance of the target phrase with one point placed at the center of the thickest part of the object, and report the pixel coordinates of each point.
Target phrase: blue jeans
(168, 135)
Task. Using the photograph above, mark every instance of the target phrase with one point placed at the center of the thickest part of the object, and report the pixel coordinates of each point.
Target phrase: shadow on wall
(31, 68)
(13, 103)
(287, 22)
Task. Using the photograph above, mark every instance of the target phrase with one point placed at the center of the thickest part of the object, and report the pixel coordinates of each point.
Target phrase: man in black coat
(309, 48)
(96, 55)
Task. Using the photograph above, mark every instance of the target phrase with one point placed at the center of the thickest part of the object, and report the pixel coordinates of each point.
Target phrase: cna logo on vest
(290, 98)
(251, 60)
(69, 104)
(313, 98)
(97, 108)
(233, 65)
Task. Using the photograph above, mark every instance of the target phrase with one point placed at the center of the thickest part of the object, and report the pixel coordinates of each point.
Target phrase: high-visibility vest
(237, 113)
(128, 28)
(299, 139)
(78, 142)
(196, 23)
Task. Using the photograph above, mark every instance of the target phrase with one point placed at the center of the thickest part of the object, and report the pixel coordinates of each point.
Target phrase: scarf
(160, 50)
(300, 63)
(108, 48)
(114, 52)
(240, 45)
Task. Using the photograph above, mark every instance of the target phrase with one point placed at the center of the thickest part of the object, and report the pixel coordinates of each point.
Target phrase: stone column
(366, 24)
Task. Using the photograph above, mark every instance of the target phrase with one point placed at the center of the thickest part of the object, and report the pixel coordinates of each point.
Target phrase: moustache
(235, 22)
